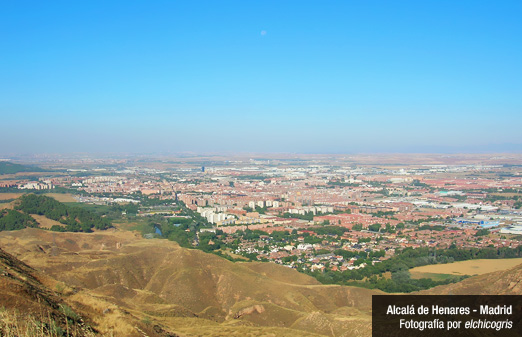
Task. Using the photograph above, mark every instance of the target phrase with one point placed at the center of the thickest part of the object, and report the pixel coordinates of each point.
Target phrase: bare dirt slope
(189, 292)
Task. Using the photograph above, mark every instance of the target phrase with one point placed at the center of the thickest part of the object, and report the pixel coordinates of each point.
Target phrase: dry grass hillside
(506, 282)
(118, 277)
(30, 308)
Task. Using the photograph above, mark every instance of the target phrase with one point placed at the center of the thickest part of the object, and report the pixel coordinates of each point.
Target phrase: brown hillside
(506, 282)
(277, 273)
(29, 307)
(172, 286)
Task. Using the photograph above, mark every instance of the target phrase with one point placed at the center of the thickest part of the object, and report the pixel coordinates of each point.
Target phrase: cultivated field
(8, 196)
(472, 267)
(62, 197)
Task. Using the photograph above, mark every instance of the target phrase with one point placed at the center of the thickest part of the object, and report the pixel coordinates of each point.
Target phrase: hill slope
(188, 291)
(29, 307)
(125, 285)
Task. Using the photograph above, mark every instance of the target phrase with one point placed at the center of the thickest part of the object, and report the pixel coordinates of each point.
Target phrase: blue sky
(260, 76)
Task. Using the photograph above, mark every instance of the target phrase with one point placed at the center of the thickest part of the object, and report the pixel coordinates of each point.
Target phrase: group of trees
(383, 214)
(10, 168)
(13, 220)
(347, 254)
(438, 228)
(376, 227)
(400, 264)
(145, 201)
(179, 229)
(117, 209)
(307, 216)
(342, 184)
(260, 210)
(418, 183)
(75, 219)
(209, 242)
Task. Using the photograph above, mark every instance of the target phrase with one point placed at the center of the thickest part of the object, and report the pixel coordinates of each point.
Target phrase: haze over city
(265, 76)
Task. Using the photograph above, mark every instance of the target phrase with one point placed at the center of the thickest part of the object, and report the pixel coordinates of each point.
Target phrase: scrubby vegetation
(13, 220)
(16, 324)
(372, 276)
(75, 219)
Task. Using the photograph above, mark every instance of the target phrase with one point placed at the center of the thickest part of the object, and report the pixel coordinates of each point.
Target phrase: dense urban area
(338, 220)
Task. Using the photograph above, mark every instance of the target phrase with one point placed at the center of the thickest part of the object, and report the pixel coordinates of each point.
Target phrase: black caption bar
(446, 315)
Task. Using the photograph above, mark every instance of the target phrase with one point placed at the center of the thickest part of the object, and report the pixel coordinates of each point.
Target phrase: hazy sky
(267, 76)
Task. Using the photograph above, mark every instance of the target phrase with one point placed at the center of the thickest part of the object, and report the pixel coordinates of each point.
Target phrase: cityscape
(272, 169)
(315, 214)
